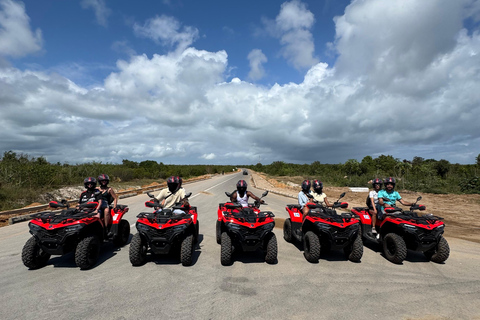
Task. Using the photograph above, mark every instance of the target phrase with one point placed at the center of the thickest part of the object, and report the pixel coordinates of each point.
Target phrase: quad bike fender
(118, 213)
(363, 215)
(294, 212)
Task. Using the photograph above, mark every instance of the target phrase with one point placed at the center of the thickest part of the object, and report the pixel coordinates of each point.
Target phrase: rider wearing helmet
(318, 193)
(108, 196)
(302, 196)
(91, 194)
(173, 194)
(242, 194)
(372, 201)
(390, 194)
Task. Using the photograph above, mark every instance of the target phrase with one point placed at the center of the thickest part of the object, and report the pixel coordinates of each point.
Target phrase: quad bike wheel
(271, 249)
(394, 248)
(226, 250)
(311, 247)
(197, 232)
(33, 256)
(218, 231)
(123, 233)
(138, 251)
(354, 251)
(287, 230)
(186, 251)
(440, 252)
(87, 252)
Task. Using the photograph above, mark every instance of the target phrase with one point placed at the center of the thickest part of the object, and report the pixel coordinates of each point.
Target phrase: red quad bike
(72, 229)
(163, 231)
(246, 229)
(401, 230)
(324, 229)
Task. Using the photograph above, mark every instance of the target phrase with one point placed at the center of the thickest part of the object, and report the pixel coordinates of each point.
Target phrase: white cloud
(256, 59)
(100, 8)
(209, 156)
(421, 100)
(16, 36)
(167, 30)
(293, 27)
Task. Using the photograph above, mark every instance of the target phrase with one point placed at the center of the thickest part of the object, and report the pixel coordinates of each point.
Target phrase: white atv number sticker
(296, 214)
(366, 216)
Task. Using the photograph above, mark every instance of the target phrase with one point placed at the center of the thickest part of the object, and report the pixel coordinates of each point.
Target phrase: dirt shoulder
(459, 210)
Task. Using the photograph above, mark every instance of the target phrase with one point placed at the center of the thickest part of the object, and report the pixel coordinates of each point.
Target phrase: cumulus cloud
(406, 98)
(293, 27)
(256, 59)
(99, 8)
(209, 156)
(167, 31)
(16, 37)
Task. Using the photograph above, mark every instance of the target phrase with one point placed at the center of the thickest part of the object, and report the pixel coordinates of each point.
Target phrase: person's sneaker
(373, 230)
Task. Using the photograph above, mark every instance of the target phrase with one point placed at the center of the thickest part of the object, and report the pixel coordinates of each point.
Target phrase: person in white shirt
(173, 194)
(242, 194)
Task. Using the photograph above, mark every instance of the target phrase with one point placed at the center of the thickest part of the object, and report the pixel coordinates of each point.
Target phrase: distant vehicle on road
(245, 172)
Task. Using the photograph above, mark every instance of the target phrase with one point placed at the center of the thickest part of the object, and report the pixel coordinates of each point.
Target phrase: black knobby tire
(123, 233)
(271, 249)
(197, 232)
(287, 230)
(87, 252)
(226, 250)
(394, 248)
(440, 253)
(311, 247)
(354, 251)
(186, 251)
(218, 231)
(138, 251)
(33, 256)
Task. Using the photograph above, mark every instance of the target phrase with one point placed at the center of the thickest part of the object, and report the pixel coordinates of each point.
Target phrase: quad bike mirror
(264, 194)
(342, 195)
(419, 198)
(309, 196)
(188, 195)
(229, 194)
(150, 195)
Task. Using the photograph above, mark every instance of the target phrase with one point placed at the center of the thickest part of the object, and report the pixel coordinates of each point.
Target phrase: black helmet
(389, 180)
(103, 177)
(317, 185)
(378, 181)
(241, 186)
(306, 185)
(174, 183)
(90, 180)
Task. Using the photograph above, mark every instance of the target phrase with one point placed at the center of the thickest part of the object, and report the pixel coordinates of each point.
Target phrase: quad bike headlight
(179, 227)
(323, 226)
(142, 227)
(409, 227)
(74, 227)
(34, 227)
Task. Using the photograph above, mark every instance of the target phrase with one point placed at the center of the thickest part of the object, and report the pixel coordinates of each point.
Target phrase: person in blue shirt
(302, 196)
(390, 194)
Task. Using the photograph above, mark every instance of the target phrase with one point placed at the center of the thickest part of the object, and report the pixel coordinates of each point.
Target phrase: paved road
(250, 289)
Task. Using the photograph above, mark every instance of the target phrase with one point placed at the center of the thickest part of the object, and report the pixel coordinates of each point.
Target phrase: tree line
(24, 178)
(418, 174)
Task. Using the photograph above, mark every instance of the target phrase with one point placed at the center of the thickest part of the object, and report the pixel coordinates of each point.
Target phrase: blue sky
(240, 82)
